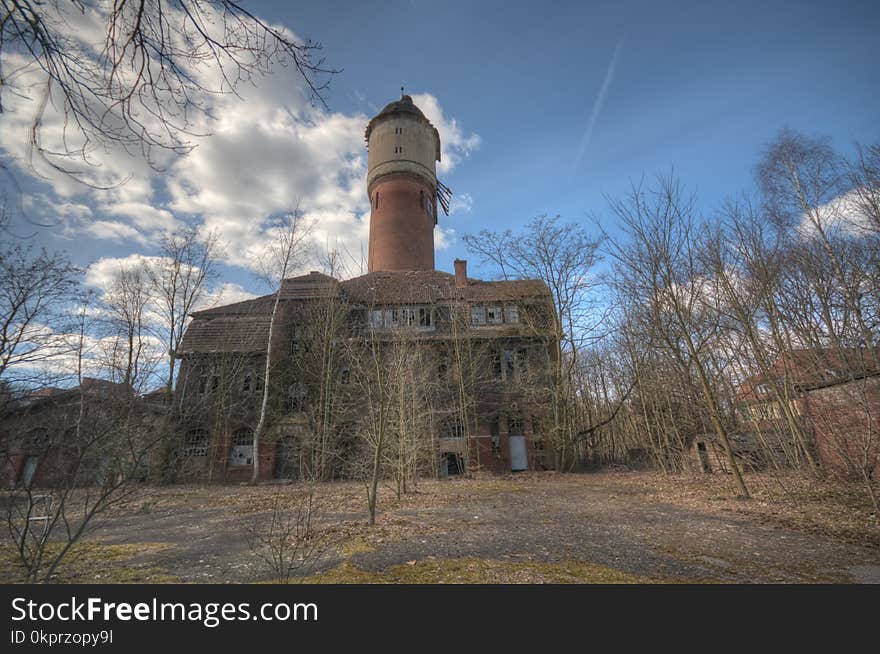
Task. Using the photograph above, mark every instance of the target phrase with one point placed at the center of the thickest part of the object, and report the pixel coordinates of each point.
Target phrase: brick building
(834, 396)
(481, 347)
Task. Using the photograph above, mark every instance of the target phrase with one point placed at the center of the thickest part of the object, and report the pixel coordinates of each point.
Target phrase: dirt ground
(609, 527)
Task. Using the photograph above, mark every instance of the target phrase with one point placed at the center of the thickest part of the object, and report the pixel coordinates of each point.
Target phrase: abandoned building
(476, 351)
(77, 436)
(829, 396)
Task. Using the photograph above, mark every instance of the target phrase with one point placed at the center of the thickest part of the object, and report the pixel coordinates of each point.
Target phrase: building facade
(447, 371)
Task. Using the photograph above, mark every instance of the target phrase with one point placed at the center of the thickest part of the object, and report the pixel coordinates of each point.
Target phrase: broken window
(522, 362)
(296, 338)
(478, 315)
(241, 450)
(443, 364)
(495, 435)
(296, 398)
(509, 365)
(407, 317)
(452, 428)
(514, 424)
(493, 315)
(196, 443)
(511, 313)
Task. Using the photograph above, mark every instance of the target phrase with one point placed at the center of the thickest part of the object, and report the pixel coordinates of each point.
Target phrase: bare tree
(94, 442)
(180, 278)
(293, 543)
(159, 62)
(563, 256)
(33, 288)
(287, 246)
(659, 268)
(127, 302)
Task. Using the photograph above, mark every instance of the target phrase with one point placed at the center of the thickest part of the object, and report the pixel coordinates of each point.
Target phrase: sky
(542, 107)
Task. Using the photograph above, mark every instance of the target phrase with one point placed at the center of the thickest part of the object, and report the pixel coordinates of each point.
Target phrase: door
(28, 470)
(519, 459)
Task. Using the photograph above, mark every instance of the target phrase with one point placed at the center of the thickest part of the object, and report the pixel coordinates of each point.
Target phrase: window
(443, 364)
(203, 384)
(509, 365)
(215, 383)
(392, 318)
(452, 428)
(196, 443)
(376, 318)
(376, 201)
(398, 149)
(493, 315)
(296, 338)
(241, 450)
(514, 425)
(496, 365)
(345, 375)
(522, 362)
(296, 398)
(478, 316)
(258, 385)
(398, 130)
(511, 313)
(495, 436)
(407, 317)
(425, 317)
(246, 386)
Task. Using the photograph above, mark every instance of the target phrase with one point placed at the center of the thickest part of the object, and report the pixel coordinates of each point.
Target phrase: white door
(27, 473)
(519, 460)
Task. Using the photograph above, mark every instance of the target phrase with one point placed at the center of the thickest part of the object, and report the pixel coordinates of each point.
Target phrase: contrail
(597, 106)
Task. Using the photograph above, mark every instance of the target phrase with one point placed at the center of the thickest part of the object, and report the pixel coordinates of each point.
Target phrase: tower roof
(403, 106)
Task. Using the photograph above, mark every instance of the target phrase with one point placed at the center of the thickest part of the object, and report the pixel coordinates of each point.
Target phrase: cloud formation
(265, 151)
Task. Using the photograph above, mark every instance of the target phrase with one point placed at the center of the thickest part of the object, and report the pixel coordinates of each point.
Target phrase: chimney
(460, 273)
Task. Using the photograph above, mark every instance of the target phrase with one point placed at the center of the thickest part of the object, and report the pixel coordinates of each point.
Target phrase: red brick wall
(845, 420)
(401, 232)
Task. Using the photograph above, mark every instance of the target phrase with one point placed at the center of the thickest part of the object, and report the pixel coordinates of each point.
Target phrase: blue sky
(698, 86)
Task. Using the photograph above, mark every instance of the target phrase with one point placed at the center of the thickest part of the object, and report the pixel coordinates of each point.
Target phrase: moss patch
(480, 571)
(93, 562)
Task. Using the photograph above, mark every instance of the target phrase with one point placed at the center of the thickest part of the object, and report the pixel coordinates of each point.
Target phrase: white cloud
(843, 212)
(463, 203)
(444, 237)
(455, 145)
(263, 153)
(109, 230)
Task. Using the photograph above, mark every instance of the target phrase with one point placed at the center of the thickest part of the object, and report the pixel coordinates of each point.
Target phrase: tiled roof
(244, 326)
(230, 333)
(429, 286)
(811, 368)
